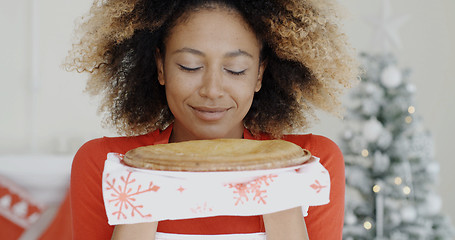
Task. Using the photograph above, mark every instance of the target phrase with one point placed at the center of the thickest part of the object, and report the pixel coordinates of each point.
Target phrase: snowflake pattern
(134, 196)
(254, 189)
(201, 209)
(181, 189)
(123, 195)
(317, 186)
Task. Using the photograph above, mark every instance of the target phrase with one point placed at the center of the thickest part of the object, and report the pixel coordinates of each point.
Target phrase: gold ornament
(408, 119)
(376, 188)
(398, 181)
(367, 225)
(406, 190)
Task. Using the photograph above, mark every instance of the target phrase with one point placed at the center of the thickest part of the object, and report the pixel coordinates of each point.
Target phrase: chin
(213, 133)
(210, 135)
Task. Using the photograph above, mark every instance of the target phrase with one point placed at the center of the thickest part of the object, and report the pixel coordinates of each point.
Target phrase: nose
(212, 84)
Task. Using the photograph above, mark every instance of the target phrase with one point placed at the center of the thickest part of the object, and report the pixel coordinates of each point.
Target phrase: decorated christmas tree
(391, 173)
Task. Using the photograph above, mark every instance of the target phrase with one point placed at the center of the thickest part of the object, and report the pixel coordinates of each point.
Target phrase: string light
(406, 190)
(398, 181)
(376, 188)
(365, 153)
(408, 119)
(411, 109)
(367, 225)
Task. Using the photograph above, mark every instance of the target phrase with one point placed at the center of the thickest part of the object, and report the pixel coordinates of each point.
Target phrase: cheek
(179, 91)
(175, 91)
(175, 84)
(244, 95)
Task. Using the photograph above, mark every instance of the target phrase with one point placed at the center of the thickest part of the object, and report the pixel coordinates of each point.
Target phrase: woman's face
(210, 71)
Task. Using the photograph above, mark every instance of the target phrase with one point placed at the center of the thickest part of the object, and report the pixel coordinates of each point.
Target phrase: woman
(174, 71)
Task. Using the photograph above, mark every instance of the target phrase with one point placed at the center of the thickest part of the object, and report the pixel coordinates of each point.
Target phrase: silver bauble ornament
(408, 213)
(381, 162)
(433, 168)
(372, 129)
(411, 88)
(391, 77)
(432, 204)
(350, 219)
(385, 139)
(348, 134)
(394, 218)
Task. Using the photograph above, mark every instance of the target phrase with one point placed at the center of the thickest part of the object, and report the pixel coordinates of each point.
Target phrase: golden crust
(218, 155)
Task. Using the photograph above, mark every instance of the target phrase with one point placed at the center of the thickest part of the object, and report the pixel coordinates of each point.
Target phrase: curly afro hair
(309, 61)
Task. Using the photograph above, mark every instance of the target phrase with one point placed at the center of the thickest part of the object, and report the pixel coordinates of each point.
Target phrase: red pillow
(18, 210)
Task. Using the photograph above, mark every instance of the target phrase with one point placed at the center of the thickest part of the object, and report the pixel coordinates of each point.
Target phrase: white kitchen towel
(134, 195)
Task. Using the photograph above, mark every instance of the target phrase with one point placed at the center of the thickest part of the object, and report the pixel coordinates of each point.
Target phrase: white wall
(36, 36)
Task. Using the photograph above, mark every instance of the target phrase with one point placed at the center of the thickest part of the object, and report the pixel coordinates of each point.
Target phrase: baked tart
(218, 155)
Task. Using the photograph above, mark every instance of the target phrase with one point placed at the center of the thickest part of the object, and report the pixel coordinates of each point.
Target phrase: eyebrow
(228, 55)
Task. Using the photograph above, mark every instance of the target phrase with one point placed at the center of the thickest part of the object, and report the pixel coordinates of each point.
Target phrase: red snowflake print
(181, 189)
(241, 190)
(201, 209)
(317, 186)
(252, 190)
(123, 195)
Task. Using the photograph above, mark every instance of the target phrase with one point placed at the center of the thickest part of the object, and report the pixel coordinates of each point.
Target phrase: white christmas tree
(391, 172)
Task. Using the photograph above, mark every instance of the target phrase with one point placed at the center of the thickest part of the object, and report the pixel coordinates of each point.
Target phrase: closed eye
(188, 69)
(237, 73)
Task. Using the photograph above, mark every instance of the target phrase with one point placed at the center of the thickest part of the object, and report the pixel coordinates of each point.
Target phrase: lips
(210, 113)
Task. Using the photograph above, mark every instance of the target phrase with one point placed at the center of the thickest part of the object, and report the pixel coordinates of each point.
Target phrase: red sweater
(89, 217)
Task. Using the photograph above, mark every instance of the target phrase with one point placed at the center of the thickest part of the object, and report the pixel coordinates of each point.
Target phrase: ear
(262, 67)
(159, 66)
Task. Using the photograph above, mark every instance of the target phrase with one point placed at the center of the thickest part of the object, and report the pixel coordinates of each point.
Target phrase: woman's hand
(288, 224)
(138, 231)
